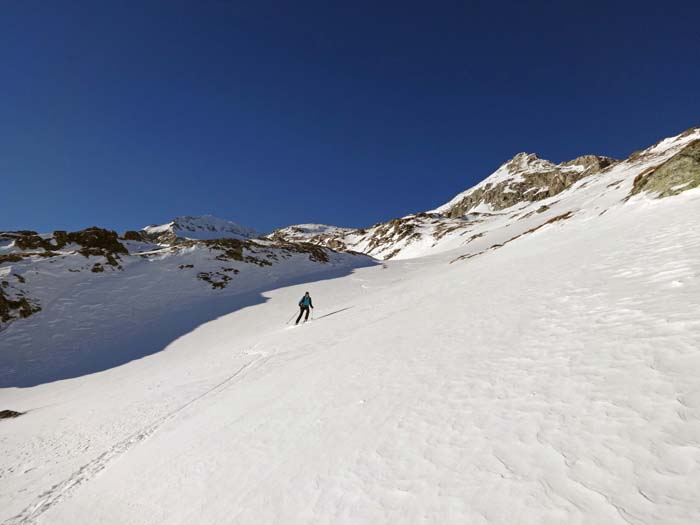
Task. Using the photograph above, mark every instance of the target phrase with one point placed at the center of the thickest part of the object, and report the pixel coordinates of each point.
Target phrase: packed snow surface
(540, 366)
(553, 380)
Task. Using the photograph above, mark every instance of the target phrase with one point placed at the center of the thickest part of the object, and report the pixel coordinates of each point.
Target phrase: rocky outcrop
(90, 242)
(9, 414)
(132, 235)
(527, 178)
(591, 163)
(315, 234)
(14, 303)
(678, 174)
(26, 244)
(19, 307)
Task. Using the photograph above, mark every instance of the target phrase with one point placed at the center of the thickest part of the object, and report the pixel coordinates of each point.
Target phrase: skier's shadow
(333, 313)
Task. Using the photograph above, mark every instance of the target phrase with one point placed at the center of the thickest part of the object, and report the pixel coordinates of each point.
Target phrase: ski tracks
(64, 489)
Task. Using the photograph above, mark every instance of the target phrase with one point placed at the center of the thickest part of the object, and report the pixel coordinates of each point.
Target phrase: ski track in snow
(94, 467)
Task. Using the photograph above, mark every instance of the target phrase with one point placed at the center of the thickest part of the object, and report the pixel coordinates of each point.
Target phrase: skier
(304, 305)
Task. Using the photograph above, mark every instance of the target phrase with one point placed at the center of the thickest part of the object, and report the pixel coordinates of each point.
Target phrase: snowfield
(544, 372)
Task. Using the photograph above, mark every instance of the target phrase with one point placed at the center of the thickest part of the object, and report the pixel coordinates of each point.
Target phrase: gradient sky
(126, 113)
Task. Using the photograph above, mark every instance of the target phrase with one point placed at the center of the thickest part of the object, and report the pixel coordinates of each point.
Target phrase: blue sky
(126, 113)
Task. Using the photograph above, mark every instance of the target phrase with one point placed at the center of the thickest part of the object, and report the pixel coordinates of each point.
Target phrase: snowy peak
(528, 178)
(203, 227)
(521, 196)
(524, 178)
(316, 229)
(320, 234)
(589, 163)
(525, 162)
(308, 232)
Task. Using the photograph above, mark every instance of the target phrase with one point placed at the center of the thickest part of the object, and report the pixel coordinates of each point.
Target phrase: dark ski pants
(303, 309)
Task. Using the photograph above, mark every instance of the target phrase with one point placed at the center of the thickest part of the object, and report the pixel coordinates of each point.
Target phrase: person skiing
(304, 306)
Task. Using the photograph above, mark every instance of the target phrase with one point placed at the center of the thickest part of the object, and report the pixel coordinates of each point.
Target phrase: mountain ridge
(524, 185)
(522, 195)
(196, 227)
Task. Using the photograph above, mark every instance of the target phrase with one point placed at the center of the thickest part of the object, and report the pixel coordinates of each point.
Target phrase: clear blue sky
(126, 113)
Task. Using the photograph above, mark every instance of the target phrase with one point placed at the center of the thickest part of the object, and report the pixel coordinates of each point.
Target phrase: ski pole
(290, 319)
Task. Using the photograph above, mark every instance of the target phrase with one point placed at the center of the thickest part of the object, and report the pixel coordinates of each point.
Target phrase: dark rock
(132, 235)
(9, 414)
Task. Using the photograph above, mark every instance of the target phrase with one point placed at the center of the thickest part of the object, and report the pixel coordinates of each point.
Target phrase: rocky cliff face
(678, 174)
(525, 178)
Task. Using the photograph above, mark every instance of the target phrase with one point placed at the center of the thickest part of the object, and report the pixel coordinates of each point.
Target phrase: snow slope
(92, 320)
(604, 183)
(543, 372)
(430, 392)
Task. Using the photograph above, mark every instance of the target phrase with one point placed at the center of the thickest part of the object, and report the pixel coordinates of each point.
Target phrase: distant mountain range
(204, 227)
(523, 187)
(523, 195)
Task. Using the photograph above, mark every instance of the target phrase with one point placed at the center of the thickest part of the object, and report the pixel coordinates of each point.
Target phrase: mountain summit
(202, 227)
(525, 177)
(524, 193)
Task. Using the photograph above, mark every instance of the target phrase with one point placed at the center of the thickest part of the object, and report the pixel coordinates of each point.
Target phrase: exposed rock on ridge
(526, 177)
(678, 174)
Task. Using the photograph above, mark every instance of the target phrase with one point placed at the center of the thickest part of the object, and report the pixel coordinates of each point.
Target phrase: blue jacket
(306, 302)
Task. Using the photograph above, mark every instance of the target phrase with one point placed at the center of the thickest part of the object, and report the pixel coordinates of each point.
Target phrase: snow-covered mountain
(536, 358)
(41, 273)
(204, 227)
(320, 234)
(524, 178)
(522, 194)
(307, 232)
